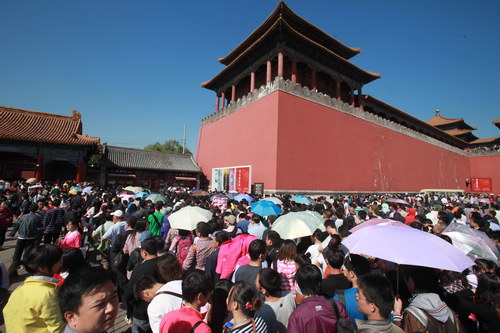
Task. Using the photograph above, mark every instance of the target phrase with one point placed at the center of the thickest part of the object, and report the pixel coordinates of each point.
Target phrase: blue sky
(134, 68)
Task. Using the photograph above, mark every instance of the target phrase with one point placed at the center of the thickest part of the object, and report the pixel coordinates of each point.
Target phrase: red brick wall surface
(293, 144)
(486, 167)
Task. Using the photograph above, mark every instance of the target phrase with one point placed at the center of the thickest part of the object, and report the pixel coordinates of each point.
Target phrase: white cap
(118, 213)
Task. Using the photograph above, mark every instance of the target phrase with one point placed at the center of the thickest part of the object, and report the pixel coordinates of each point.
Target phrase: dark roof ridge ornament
(76, 115)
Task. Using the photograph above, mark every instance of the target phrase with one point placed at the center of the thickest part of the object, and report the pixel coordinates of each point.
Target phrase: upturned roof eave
(282, 10)
(368, 76)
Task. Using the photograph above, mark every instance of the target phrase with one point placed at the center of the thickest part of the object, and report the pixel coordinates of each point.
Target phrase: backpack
(183, 248)
(344, 325)
(231, 252)
(423, 318)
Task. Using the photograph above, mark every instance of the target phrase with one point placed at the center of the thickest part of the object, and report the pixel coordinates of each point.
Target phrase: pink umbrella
(126, 192)
(407, 246)
(378, 222)
(398, 201)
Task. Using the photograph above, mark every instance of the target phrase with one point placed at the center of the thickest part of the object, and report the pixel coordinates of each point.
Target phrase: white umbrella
(473, 247)
(87, 189)
(135, 189)
(31, 180)
(274, 200)
(125, 196)
(472, 238)
(295, 225)
(317, 216)
(30, 188)
(188, 217)
(155, 197)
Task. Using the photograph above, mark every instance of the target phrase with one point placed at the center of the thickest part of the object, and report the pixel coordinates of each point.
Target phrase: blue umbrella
(76, 188)
(265, 208)
(242, 196)
(302, 199)
(141, 194)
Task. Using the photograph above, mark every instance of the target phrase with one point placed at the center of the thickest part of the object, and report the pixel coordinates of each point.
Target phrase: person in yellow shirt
(33, 307)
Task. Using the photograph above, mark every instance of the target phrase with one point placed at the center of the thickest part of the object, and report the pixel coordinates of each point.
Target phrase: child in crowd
(242, 302)
(33, 306)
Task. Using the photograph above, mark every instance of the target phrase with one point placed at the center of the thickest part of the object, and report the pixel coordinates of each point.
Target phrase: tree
(172, 146)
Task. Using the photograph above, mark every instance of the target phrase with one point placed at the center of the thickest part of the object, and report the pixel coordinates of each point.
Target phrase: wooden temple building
(150, 169)
(51, 147)
(289, 105)
(43, 145)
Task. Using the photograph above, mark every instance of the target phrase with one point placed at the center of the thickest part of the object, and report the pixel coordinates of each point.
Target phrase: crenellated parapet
(279, 84)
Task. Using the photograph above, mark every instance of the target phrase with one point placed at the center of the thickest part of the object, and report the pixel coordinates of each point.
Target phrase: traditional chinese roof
(25, 125)
(440, 121)
(406, 119)
(130, 158)
(497, 123)
(310, 31)
(457, 132)
(486, 140)
(285, 26)
(464, 134)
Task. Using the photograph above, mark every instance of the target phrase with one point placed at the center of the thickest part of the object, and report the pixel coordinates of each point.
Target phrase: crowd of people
(90, 253)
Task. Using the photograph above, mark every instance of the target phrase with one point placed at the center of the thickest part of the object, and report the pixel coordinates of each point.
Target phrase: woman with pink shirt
(73, 238)
(286, 265)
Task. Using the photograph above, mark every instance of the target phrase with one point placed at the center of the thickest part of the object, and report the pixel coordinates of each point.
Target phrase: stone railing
(317, 97)
(483, 153)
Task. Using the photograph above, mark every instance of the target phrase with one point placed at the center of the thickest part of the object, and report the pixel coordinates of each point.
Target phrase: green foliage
(172, 146)
(95, 160)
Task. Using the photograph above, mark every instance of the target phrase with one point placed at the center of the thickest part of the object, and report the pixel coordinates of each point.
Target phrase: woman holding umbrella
(426, 311)
(482, 307)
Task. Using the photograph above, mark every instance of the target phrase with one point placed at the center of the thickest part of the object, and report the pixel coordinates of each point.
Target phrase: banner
(232, 179)
(481, 185)
(217, 179)
(243, 180)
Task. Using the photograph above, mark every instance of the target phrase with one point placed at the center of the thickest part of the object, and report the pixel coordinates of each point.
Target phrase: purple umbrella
(241, 196)
(398, 201)
(378, 222)
(407, 246)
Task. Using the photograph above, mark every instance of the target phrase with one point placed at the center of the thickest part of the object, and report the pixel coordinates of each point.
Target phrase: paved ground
(6, 257)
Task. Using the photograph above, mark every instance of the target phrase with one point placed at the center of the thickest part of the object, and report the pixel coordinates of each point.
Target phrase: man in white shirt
(163, 298)
(118, 227)
(256, 228)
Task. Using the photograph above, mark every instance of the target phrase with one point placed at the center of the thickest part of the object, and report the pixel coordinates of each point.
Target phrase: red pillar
(268, 71)
(252, 81)
(352, 97)
(360, 98)
(294, 70)
(337, 90)
(233, 93)
(39, 167)
(223, 100)
(313, 79)
(216, 103)
(280, 63)
(81, 172)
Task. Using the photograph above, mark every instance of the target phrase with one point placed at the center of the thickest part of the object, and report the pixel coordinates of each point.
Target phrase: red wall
(245, 137)
(323, 149)
(293, 144)
(486, 167)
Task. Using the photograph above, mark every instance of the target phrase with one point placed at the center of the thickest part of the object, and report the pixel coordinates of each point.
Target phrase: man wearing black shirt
(336, 280)
(137, 309)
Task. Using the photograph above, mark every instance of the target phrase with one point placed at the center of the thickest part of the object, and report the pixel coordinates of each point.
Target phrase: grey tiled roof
(131, 158)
